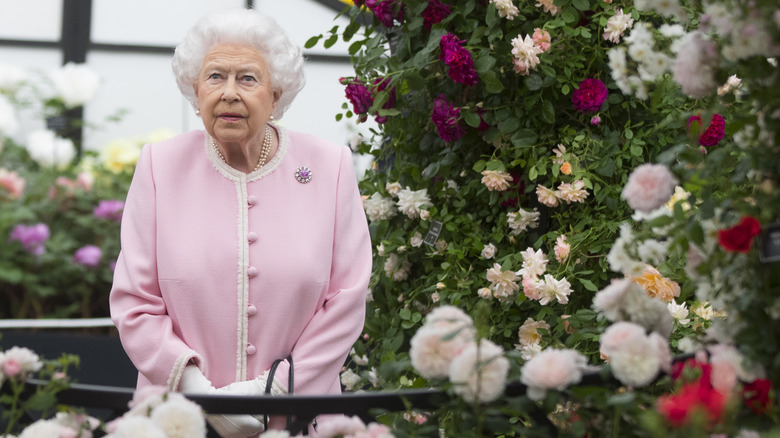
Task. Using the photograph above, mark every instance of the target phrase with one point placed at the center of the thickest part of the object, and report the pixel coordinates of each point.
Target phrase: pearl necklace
(263, 151)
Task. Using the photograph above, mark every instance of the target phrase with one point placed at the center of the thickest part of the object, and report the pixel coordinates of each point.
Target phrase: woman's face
(235, 94)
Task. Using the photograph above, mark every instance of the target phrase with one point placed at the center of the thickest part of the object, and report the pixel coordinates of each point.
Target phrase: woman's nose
(230, 92)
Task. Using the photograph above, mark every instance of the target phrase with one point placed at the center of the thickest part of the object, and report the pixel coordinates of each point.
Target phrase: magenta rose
(447, 119)
(361, 99)
(714, 132)
(88, 256)
(590, 96)
(458, 59)
(434, 13)
(111, 210)
(31, 237)
(386, 11)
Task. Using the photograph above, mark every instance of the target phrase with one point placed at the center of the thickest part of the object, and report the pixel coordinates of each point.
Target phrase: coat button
(250, 349)
(251, 200)
(251, 272)
(251, 237)
(251, 310)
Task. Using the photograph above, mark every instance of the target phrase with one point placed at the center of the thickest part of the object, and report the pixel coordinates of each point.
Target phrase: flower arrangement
(610, 160)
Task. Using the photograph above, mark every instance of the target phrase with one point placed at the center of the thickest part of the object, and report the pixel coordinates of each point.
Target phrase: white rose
(49, 150)
(489, 251)
(479, 372)
(180, 418)
(75, 84)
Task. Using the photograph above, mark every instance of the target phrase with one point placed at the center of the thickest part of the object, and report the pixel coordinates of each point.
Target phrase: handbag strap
(270, 380)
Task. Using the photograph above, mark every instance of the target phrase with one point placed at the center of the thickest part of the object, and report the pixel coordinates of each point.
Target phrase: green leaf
(388, 112)
(621, 399)
(415, 81)
(569, 15)
(405, 313)
(533, 82)
(355, 47)
(331, 40)
(41, 401)
(582, 5)
(548, 112)
(509, 125)
(472, 119)
(479, 166)
(696, 234)
(492, 84)
(350, 30)
(607, 167)
(311, 42)
(496, 165)
(484, 61)
(524, 137)
(636, 150)
(588, 284)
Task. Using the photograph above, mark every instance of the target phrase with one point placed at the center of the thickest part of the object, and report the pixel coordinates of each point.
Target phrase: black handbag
(270, 381)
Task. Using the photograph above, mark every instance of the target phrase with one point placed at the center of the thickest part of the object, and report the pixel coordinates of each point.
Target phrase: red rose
(714, 132)
(447, 119)
(756, 396)
(700, 396)
(739, 238)
(590, 95)
(434, 13)
(458, 60)
(361, 99)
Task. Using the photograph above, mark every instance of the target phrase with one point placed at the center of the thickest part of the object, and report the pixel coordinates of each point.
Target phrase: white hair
(247, 27)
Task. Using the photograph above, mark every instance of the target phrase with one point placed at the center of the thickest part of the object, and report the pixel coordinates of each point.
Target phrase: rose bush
(555, 146)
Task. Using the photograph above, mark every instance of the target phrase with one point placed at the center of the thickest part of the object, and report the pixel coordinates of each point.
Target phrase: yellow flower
(120, 153)
(566, 168)
(679, 195)
(657, 286)
(705, 311)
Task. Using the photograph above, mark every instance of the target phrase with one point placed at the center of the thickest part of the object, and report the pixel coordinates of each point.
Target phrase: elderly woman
(245, 243)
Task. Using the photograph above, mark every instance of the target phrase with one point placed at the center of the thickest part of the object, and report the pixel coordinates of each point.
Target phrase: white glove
(228, 426)
(253, 387)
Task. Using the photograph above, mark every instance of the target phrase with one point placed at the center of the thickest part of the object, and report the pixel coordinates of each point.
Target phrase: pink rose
(648, 187)
(552, 369)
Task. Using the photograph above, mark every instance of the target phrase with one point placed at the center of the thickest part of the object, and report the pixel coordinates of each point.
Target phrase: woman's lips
(231, 117)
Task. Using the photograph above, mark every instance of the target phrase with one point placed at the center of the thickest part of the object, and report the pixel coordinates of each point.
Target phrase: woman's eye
(214, 76)
(249, 78)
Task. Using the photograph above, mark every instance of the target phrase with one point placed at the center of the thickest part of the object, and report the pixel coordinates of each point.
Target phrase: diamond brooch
(303, 174)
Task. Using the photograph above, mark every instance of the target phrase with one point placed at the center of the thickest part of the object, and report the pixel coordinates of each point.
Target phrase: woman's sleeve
(326, 341)
(137, 307)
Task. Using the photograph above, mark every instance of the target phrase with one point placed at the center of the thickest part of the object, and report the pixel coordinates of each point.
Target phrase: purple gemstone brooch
(303, 174)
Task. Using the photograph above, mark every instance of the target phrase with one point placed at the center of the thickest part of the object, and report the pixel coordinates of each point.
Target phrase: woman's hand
(228, 426)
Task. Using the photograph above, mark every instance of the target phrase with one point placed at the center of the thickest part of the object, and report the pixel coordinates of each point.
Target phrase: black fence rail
(303, 408)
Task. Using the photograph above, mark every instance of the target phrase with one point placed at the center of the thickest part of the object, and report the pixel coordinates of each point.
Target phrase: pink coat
(234, 270)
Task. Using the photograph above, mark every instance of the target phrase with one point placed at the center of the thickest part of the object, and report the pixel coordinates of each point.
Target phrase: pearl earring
(197, 112)
(272, 117)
